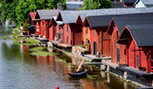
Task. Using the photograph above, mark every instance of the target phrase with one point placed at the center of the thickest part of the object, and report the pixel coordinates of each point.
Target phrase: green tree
(18, 10)
(96, 4)
(8, 10)
(23, 9)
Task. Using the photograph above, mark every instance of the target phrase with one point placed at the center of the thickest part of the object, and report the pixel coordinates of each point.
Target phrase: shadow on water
(63, 56)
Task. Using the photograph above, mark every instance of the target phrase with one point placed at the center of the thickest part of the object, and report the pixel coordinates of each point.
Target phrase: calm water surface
(19, 70)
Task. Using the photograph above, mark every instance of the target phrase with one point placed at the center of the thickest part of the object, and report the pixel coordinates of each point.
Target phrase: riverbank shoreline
(104, 62)
(70, 54)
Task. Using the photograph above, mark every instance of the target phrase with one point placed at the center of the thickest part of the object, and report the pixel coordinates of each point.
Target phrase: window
(43, 23)
(45, 32)
(137, 58)
(113, 26)
(118, 55)
(117, 34)
(57, 35)
(67, 28)
(87, 41)
(67, 39)
(37, 28)
(94, 32)
(61, 35)
(86, 32)
(59, 28)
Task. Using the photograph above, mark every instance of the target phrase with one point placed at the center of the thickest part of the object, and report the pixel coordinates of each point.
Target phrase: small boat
(79, 73)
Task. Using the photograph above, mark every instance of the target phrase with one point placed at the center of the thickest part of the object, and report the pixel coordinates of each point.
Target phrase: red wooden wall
(143, 53)
(133, 52)
(44, 28)
(59, 33)
(114, 46)
(102, 40)
(105, 42)
(86, 34)
(95, 37)
(72, 34)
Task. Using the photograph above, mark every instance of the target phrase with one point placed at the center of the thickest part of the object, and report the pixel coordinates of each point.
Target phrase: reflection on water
(19, 70)
(43, 72)
(11, 52)
(5, 30)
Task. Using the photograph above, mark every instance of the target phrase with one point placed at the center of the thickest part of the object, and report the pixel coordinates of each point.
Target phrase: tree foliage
(96, 4)
(18, 10)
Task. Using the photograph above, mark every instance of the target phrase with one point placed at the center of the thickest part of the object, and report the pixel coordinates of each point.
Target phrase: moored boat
(79, 73)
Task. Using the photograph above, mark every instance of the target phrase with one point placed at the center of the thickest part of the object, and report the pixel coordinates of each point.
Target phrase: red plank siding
(113, 45)
(132, 50)
(72, 34)
(86, 35)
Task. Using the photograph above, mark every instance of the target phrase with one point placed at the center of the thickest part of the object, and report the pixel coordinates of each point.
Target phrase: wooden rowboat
(79, 73)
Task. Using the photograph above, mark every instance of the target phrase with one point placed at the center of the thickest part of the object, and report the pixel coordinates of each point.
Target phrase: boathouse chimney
(59, 6)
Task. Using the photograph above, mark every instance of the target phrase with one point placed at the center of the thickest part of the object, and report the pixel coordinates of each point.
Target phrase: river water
(19, 70)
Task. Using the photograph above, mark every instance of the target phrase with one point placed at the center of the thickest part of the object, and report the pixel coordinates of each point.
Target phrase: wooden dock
(93, 58)
(93, 63)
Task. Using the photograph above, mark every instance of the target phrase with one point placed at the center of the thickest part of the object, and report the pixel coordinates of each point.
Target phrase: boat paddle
(80, 64)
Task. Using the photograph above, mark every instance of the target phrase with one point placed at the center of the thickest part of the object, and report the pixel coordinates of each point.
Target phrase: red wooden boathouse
(117, 24)
(99, 38)
(139, 46)
(44, 16)
(31, 18)
(32, 22)
(72, 32)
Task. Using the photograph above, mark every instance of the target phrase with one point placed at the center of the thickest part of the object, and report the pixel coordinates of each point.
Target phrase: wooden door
(106, 48)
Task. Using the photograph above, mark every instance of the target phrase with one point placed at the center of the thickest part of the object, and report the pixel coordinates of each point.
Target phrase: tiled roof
(115, 11)
(122, 21)
(142, 34)
(147, 2)
(47, 14)
(74, 5)
(70, 16)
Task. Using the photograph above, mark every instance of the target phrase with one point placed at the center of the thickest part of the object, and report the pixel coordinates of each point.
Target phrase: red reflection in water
(51, 63)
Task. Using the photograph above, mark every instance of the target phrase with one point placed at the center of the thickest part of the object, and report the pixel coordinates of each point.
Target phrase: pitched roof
(142, 33)
(115, 11)
(129, 1)
(99, 21)
(122, 21)
(47, 14)
(74, 5)
(70, 16)
(147, 2)
(32, 15)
